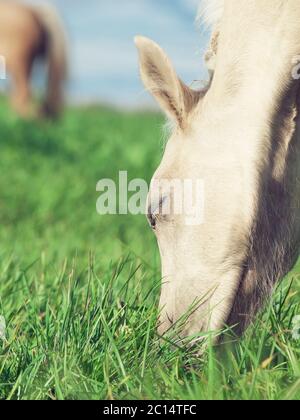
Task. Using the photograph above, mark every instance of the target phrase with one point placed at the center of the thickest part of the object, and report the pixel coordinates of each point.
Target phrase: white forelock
(210, 11)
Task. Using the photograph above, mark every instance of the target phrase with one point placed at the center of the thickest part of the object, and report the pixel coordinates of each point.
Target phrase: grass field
(79, 291)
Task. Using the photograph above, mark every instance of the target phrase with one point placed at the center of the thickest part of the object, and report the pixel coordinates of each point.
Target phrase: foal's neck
(259, 42)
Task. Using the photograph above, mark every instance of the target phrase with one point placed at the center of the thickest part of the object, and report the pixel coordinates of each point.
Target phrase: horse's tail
(56, 52)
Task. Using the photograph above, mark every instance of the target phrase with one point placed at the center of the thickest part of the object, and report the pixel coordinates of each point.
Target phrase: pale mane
(210, 12)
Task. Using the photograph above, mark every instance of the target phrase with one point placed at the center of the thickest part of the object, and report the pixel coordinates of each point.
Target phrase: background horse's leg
(21, 96)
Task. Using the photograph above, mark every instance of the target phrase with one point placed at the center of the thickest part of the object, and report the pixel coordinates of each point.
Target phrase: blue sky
(103, 57)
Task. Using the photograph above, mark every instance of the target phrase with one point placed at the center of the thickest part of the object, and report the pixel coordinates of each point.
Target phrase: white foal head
(244, 154)
(202, 262)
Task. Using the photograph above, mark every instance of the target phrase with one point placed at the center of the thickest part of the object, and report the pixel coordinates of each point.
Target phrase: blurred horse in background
(28, 32)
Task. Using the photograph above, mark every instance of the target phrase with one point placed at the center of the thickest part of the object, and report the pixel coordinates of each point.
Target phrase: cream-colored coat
(241, 137)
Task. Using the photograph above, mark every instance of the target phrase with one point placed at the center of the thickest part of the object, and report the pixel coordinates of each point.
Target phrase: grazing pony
(241, 137)
(26, 33)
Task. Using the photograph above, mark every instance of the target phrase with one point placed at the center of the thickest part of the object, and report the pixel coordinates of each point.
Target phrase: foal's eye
(155, 212)
(152, 218)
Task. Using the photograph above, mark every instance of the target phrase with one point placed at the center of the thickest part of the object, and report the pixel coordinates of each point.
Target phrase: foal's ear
(160, 79)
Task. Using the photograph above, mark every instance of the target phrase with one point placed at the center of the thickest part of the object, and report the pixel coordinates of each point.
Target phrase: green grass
(79, 291)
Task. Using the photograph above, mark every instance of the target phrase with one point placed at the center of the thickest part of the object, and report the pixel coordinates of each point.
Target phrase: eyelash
(154, 216)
